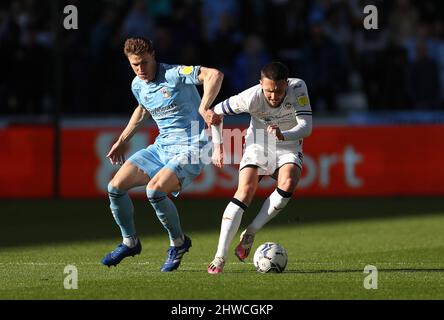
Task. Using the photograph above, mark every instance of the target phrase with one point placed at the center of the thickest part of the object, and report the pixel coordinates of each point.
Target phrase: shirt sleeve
(136, 91)
(303, 114)
(301, 130)
(186, 74)
(302, 106)
(234, 105)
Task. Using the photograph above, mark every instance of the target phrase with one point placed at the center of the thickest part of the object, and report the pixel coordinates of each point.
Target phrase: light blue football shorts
(183, 161)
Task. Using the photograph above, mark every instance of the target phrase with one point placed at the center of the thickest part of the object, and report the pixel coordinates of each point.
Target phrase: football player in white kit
(281, 117)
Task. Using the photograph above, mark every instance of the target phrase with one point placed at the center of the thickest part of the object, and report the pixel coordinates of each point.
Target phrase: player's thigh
(288, 177)
(255, 155)
(165, 180)
(129, 176)
(248, 183)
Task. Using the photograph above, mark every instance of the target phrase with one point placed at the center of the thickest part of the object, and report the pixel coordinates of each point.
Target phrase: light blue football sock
(167, 213)
(123, 210)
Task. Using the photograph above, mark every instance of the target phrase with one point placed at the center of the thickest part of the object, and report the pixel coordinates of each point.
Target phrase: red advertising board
(380, 160)
(26, 162)
(339, 161)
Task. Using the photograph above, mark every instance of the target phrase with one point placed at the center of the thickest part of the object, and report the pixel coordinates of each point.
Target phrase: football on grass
(270, 257)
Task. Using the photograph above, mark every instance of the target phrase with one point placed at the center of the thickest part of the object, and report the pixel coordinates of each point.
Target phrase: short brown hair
(138, 46)
(275, 71)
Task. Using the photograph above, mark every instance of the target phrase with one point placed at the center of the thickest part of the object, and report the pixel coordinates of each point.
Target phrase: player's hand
(218, 155)
(212, 118)
(117, 153)
(274, 130)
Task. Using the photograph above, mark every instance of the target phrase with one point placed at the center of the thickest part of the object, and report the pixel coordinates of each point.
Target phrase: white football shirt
(293, 116)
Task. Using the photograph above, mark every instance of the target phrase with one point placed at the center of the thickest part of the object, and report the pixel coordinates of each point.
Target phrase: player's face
(274, 91)
(144, 66)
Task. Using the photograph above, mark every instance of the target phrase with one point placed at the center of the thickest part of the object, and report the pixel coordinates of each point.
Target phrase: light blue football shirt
(173, 102)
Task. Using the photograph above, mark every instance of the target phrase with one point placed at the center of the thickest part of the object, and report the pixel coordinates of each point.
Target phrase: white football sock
(271, 207)
(230, 224)
(130, 241)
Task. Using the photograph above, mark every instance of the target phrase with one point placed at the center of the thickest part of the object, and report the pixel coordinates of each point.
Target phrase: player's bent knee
(114, 189)
(117, 184)
(155, 195)
(153, 185)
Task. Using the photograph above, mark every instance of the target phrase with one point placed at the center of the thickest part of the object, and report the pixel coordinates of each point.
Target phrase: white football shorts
(270, 159)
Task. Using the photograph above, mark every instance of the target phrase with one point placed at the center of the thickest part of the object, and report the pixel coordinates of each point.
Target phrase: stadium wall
(339, 161)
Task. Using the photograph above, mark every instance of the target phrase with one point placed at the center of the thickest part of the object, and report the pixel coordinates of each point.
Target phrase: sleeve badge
(186, 70)
(302, 100)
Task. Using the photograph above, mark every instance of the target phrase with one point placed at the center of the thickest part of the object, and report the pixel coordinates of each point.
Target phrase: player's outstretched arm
(231, 106)
(117, 153)
(212, 82)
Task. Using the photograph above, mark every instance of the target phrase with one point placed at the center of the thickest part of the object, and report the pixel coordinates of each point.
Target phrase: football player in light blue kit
(168, 94)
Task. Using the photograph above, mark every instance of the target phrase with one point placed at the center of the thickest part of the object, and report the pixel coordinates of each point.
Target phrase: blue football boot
(175, 255)
(122, 251)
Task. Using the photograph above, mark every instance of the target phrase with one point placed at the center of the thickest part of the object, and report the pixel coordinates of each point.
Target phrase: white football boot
(216, 266)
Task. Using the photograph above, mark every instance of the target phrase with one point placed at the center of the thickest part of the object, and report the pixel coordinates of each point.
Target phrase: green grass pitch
(329, 242)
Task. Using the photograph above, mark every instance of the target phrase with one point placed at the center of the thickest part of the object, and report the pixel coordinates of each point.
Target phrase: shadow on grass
(36, 222)
(297, 271)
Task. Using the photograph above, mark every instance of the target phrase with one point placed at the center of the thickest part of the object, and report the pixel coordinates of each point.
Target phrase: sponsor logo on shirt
(166, 93)
(267, 121)
(164, 111)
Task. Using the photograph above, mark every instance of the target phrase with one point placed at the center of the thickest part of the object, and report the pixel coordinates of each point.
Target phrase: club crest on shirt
(288, 106)
(166, 93)
(267, 121)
